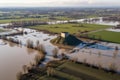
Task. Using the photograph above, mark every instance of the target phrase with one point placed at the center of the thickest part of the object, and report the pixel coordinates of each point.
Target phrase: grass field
(29, 19)
(71, 27)
(68, 70)
(60, 76)
(63, 18)
(23, 19)
(107, 36)
(86, 73)
(75, 71)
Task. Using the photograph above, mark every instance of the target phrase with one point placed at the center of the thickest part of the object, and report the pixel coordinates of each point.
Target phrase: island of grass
(70, 27)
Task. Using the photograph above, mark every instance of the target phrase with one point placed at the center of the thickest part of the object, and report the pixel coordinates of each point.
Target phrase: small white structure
(64, 34)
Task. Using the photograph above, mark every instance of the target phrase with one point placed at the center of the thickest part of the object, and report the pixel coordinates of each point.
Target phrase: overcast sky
(54, 3)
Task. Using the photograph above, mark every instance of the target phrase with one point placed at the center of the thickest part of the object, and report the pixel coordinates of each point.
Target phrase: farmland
(96, 30)
(75, 72)
(107, 36)
(23, 19)
(70, 27)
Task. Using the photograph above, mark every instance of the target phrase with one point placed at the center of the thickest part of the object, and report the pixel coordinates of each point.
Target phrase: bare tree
(113, 67)
(19, 75)
(50, 71)
(30, 44)
(116, 48)
(55, 52)
(99, 53)
(85, 61)
(37, 59)
(25, 68)
(75, 59)
(99, 66)
(37, 44)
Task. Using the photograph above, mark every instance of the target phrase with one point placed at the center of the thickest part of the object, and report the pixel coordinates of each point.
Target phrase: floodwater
(94, 46)
(13, 56)
(103, 22)
(105, 58)
(12, 59)
(98, 21)
(2, 25)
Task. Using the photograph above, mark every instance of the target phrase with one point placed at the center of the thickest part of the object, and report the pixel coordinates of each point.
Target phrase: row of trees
(37, 60)
(25, 23)
(111, 68)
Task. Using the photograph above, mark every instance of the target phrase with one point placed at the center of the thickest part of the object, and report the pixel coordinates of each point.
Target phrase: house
(64, 34)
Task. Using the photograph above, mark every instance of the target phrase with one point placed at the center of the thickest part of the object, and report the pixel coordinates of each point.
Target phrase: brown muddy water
(12, 59)
(14, 56)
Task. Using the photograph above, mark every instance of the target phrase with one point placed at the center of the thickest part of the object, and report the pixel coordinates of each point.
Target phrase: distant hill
(70, 40)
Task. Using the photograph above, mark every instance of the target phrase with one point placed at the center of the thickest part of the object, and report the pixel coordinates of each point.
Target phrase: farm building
(64, 34)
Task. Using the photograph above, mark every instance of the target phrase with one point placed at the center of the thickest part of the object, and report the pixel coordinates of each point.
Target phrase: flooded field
(104, 58)
(103, 22)
(98, 20)
(13, 56)
(12, 59)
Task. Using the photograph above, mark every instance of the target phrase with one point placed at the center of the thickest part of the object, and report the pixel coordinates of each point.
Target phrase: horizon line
(59, 6)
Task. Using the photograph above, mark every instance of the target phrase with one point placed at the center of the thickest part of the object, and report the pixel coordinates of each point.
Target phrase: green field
(29, 19)
(23, 19)
(62, 18)
(70, 27)
(86, 73)
(71, 71)
(107, 36)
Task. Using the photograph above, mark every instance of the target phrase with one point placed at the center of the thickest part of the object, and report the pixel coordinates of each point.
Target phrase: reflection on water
(30, 51)
(12, 58)
(12, 45)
